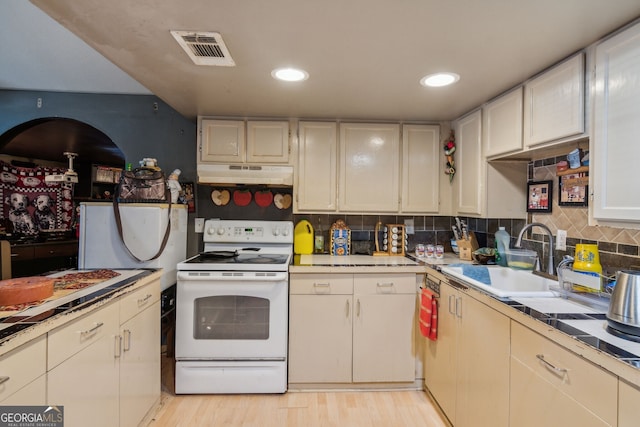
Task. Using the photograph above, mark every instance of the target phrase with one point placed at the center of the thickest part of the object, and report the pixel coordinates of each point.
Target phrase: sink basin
(503, 282)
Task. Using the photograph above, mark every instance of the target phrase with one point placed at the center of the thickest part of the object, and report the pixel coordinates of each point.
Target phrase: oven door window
(231, 317)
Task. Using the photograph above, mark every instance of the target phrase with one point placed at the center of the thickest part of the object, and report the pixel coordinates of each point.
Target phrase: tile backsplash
(618, 247)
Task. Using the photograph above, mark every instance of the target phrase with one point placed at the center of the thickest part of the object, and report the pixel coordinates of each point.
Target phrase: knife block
(466, 247)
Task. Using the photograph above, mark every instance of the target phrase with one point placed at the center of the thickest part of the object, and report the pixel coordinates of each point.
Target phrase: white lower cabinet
(104, 367)
(628, 408)
(467, 367)
(22, 374)
(83, 369)
(552, 386)
(140, 354)
(351, 328)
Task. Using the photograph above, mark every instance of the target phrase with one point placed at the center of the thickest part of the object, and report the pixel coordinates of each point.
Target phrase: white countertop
(354, 263)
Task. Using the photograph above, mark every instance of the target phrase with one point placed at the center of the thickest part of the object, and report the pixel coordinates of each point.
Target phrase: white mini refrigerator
(143, 227)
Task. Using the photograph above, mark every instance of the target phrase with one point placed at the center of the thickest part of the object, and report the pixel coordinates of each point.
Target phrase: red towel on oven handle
(428, 314)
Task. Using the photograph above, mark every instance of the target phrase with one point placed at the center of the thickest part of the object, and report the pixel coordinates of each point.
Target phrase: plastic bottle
(319, 239)
(502, 244)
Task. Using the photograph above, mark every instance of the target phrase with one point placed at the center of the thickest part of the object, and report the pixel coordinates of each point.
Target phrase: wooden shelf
(581, 169)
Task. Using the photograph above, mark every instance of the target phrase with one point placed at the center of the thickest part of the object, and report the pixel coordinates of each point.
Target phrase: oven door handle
(206, 276)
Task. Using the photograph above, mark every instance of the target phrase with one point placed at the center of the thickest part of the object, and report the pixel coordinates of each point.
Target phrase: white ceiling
(365, 57)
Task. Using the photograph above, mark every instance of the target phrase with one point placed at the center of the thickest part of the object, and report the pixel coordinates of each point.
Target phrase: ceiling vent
(204, 48)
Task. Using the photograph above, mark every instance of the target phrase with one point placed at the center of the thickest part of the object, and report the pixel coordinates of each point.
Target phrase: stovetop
(590, 327)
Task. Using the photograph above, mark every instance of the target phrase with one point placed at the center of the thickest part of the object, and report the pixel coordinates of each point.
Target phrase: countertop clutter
(20, 325)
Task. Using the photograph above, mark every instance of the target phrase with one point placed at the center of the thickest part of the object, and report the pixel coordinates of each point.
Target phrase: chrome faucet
(549, 235)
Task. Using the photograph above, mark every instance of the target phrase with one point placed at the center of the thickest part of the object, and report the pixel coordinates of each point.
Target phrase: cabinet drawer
(22, 365)
(21, 253)
(69, 339)
(51, 251)
(366, 284)
(586, 383)
(135, 302)
(321, 284)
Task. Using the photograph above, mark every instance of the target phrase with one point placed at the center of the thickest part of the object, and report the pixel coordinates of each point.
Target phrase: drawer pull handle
(323, 285)
(117, 346)
(348, 309)
(551, 366)
(127, 340)
(52, 252)
(4, 379)
(145, 299)
(92, 330)
(385, 285)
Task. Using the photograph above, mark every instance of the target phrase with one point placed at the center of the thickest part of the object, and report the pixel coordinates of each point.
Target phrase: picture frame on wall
(188, 196)
(573, 189)
(539, 196)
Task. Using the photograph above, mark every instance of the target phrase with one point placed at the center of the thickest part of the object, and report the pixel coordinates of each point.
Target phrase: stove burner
(262, 260)
(623, 331)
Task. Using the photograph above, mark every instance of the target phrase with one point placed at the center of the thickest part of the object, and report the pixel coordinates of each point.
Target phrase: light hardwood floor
(308, 409)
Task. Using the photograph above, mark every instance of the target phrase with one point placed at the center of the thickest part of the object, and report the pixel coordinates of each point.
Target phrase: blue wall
(130, 121)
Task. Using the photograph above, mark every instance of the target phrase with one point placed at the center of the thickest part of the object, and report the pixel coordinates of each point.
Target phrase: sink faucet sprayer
(549, 235)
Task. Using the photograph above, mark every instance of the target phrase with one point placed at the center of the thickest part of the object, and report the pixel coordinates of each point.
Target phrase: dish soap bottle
(502, 244)
(319, 239)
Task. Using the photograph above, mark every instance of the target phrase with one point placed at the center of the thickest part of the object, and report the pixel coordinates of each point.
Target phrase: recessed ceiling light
(290, 74)
(439, 79)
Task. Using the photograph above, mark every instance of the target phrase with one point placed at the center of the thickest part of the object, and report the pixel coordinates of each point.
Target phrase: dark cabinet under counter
(32, 259)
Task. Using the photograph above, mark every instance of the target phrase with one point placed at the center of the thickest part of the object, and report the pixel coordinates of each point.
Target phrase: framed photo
(188, 196)
(573, 189)
(539, 196)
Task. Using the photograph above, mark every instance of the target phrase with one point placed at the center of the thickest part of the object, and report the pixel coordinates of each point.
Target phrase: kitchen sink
(503, 282)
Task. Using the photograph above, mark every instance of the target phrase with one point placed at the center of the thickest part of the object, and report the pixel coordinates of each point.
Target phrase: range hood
(245, 174)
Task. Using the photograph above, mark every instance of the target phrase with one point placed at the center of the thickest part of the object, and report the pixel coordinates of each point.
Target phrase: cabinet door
(383, 324)
(267, 142)
(420, 169)
(554, 103)
(139, 365)
(317, 167)
(470, 178)
(483, 365)
(86, 385)
(383, 338)
(320, 344)
(369, 167)
(221, 141)
(440, 367)
(82, 361)
(628, 408)
(616, 127)
(502, 124)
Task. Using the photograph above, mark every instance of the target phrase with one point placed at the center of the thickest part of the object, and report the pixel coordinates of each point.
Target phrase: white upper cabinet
(317, 169)
(502, 124)
(267, 142)
(554, 103)
(234, 141)
(420, 168)
(616, 128)
(369, 167)
(221, 141)
(470, 166)
(485, 189)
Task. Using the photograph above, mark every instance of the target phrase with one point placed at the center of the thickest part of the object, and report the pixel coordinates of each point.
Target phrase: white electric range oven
(232, 309)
